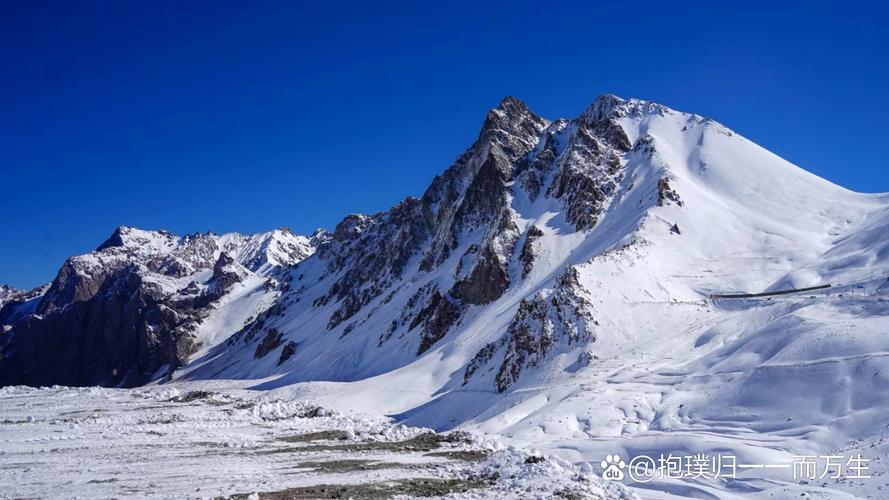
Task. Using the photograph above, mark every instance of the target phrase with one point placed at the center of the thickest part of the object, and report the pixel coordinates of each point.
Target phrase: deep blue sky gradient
(244, 116)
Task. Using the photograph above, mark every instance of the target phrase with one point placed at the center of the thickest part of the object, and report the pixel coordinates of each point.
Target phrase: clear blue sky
(244, 116)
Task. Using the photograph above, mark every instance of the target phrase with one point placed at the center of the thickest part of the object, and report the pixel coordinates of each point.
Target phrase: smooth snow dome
(554, 291)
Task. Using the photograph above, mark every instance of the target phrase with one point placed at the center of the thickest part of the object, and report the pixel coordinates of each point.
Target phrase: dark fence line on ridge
(765, 294)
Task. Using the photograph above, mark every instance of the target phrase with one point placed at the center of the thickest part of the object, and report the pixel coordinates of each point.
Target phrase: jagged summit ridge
(458, 246)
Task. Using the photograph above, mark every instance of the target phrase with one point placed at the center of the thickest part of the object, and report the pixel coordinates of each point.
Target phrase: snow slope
(56, 442)
(656, 367)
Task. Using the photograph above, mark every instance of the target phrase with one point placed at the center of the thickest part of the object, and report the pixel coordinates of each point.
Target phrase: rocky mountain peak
(512, 105)
(512, 127)
(608, 107)
(605, 106)
(351, 227)
(124, 236)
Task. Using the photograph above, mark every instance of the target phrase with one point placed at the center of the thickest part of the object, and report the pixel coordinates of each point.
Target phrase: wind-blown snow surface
(665, 370)
(170, 443)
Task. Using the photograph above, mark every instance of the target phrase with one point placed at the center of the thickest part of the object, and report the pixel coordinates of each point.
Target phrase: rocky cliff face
(554, 318)
(128, 312)
(408, 277)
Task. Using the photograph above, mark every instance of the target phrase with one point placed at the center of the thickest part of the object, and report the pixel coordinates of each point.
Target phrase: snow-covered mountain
(554, 286)
(139, 305)
(8, 293)
(523, 258)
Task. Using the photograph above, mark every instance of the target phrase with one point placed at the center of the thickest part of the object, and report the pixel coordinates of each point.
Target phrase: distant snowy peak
(264, 252)
(167, 253)
(140, 301)
(152, 242)
(8, 293)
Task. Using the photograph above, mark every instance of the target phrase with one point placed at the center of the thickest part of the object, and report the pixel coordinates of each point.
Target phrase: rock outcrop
(553, 317)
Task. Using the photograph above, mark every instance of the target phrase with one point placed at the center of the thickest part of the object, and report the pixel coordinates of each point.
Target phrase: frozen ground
(170, 443)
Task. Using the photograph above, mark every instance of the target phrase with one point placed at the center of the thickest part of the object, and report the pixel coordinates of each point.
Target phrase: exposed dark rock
(371, 252)
(587, 168)
(600, 119)
(106, 319)
(666, 194)
(560, 315)
(481, 358)
(532, 171)
(328, 435)
(71, 286)
(121, 335)
(351, 227)
(196, 251)
(527, 256)
(463, 455)
(539, 323)
(287, 352)
(271, 342)
(428, 310)
(486, 195)
(509, 132)
(226, 273)
(401, 488)
(438, 316)
(373, 258)
(486, 283)
(589, 175)
(530, 336)
(191, 396)
(586, 358)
